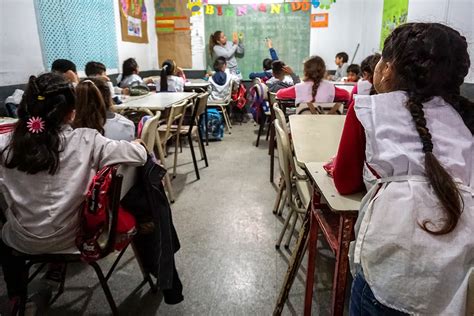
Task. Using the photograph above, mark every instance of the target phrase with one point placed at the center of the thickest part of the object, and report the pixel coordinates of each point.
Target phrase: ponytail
(440, 180)
(48, 99)
(213, 41)
(167, 68)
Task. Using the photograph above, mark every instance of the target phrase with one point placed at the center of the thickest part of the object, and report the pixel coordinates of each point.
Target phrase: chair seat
(268, 113)
(218, 103)
(184, 129)
(304, 191)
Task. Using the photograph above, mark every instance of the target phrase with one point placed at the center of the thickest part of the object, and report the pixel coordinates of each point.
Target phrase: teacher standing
(220, 47)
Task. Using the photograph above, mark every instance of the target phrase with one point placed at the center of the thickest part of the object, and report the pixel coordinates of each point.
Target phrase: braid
(422, 63)
(314, 70)
(314, 90)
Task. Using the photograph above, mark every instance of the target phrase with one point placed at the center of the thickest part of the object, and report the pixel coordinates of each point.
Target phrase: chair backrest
(320, 108)
(283, 154)
(149, 131)
(201, 104)
(280, 116)
(176, 116)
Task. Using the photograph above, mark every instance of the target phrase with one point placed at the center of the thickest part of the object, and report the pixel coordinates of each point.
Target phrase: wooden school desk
(315, 139)
(196, 84)
(155, 101)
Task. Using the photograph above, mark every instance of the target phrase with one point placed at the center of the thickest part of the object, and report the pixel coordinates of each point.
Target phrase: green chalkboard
(289, 30)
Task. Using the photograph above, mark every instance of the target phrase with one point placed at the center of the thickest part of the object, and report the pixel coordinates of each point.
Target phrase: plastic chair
(109, 247)
(152, 141)
(192, 129)
(298, 191)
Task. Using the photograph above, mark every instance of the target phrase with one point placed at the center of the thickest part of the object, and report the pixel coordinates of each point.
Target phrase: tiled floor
(228, 263)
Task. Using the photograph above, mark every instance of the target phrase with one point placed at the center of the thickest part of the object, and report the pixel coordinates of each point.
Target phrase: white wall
(458, 14)
(20, 48)
(350, 23)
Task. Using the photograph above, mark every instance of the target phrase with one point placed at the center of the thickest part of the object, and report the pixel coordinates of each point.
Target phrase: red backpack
(91, 239)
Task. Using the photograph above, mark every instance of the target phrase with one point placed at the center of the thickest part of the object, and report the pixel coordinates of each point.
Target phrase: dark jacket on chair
(157, 240)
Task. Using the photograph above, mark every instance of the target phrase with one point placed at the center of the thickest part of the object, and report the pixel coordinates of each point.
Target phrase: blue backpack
(215, 125)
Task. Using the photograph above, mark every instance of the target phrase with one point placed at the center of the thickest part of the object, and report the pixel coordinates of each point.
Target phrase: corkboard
(133, 13)
(173, 31)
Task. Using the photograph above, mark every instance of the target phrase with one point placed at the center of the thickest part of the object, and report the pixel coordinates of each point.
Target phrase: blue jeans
(364, 303)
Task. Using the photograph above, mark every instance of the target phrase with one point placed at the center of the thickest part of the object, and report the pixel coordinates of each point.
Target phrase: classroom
(237, 157)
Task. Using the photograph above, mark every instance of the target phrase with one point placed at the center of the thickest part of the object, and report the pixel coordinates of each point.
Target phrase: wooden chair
(320, 108)
(263, 116)
(151, 137)
(192, 129)
(298, 192)
(271, 146)
(222, 106)
(44, 259)
(167, 131)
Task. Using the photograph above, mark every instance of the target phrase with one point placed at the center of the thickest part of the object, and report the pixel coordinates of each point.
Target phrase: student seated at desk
(66, 68)
(46, 167)
(94, 109)
(97, 69)
(414, 248)
(172, 78)
(267, 64)
(130, 75)
(341, 61)
(353, 73)
(220, 87)
(365, 86)
(314, 88)
(283, 77)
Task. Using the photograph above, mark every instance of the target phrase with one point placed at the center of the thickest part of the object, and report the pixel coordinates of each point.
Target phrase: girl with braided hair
(313, 88)
(45, 168)
(414, 248)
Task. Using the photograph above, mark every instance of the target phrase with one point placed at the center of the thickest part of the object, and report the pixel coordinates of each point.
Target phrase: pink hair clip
(35, 125)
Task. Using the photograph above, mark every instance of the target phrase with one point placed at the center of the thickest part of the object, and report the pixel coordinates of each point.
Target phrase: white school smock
(43, 209)
(325, 93)
(175, 83)
(407, 268)
(218, 93)
(363, 87)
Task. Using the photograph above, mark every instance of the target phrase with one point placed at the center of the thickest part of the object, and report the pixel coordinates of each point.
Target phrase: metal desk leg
(346, 227)
(272, 150)
(312, 249)
(295, 261)
(206, 120)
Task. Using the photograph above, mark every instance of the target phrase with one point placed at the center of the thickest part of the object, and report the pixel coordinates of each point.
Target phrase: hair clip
(41, 98)
(35, 125)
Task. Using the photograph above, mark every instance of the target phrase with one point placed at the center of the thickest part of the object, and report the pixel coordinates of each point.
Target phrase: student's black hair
(129, 66)
(267, 64)
(314, 69)
(219, 64)
(167, 69)
(277, 68)
(49, 98)
(428, 60)
(213, 41)
(344, 56)
(63, 65)
(94, 68)
(354, 68)
(368, 66)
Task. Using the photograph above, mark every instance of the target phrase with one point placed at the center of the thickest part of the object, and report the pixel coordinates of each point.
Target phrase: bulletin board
(133, 21)
(395, 12)
(173, 29)
(287, 24)
(80, 31)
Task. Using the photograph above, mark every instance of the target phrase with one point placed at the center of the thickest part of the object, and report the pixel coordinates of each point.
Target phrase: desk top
(325, 184)
(196, 83)
(156, 101)
(315, 137)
